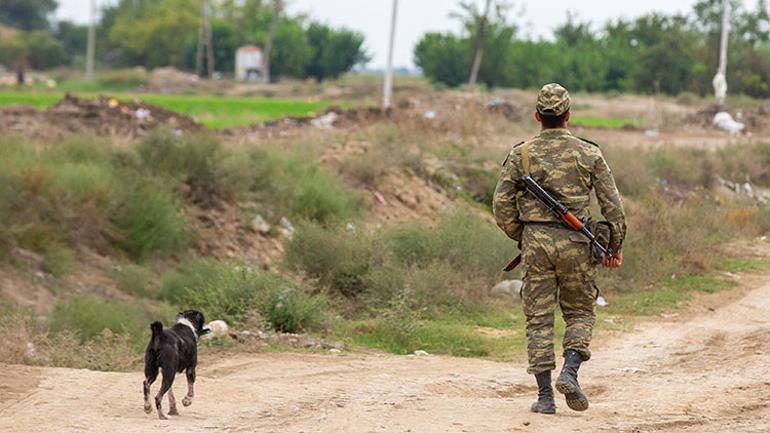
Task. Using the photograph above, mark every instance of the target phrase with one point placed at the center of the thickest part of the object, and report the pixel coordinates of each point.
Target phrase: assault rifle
(560, 211)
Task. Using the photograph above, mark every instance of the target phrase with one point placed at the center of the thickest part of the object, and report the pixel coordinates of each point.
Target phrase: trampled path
(707, 373)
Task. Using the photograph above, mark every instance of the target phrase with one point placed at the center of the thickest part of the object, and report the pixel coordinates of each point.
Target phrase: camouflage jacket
(568, 167)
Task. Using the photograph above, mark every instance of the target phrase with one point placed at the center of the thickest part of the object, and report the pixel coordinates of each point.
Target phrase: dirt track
(706, 373)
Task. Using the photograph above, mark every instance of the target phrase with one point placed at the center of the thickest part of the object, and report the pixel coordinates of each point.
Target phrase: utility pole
(720, 80)
(388, 85)
(478, 50)
(205, 42)
(277, 8)
(91, 46)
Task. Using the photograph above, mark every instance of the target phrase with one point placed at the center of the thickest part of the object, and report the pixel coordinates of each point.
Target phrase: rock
(260, 225)
(333, 350)
(507, 289)
(421, 353)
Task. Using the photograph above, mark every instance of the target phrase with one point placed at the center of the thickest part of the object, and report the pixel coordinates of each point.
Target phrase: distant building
(248, 63)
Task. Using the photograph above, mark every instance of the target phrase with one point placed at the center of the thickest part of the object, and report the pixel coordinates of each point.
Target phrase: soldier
(559, 266)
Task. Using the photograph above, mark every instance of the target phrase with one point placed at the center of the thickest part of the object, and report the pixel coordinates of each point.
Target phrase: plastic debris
(326, 121)
(113, 103)
(379, 198)
(143, 114)
(723, 120)
(430, 115)
(600, 301)
(286, 225)
(421, 353)
(652, 133)
(260, 225)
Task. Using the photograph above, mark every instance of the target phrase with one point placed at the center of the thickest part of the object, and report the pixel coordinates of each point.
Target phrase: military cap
(553, 99)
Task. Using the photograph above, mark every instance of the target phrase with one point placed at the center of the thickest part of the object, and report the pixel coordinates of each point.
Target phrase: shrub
(232, 293)
(59, 260)
(88, 315)
(134, 279)
(318, 196)
(338, 258)
(148, 220)
(195, 160)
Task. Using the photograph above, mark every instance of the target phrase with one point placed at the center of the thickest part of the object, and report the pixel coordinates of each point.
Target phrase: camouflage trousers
(559, 269)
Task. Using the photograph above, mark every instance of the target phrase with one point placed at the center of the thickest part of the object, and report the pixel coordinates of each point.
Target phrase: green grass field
(213, 111)
(604, 122)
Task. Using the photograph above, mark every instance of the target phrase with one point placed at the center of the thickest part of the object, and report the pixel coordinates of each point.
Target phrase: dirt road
(706, 373)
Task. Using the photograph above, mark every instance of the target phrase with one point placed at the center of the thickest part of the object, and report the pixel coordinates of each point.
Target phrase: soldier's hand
(614, 260)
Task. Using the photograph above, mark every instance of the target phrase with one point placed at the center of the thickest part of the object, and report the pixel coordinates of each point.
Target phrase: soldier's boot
(544, 403)
(567, 382)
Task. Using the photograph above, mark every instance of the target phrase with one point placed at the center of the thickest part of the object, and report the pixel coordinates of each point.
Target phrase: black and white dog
(173, 350)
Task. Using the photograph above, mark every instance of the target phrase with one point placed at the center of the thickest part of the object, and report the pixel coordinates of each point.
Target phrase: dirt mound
(172, 80)
(102, 116)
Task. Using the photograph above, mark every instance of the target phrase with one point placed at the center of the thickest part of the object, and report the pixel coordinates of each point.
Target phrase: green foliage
(27, 14)
(336, 51)
(652, 53)
(155, 33)
(36, 49)
(232, 293)
(88, 316)
(319, 196)
(134, 279)
(147, 216)
(193, 160)
(59, 261)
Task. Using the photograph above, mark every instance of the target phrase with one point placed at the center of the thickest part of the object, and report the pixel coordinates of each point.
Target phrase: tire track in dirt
(706, 373)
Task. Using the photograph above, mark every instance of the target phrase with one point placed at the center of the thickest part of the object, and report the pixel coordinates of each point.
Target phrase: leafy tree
(335, 51)
(291, 50)
(443, 58)
(155, 32)
(36, 49)
(27, 14)
(73, 37)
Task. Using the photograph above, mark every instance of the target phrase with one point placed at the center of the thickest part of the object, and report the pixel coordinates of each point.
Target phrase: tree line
(155, 33)
(652, 53)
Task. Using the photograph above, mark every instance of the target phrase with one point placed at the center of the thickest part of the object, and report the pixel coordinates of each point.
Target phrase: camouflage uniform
(558, 263)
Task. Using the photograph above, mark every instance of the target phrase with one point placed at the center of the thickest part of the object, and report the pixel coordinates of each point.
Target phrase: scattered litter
(286, 225)
(334, 350)
(421, 353)
(260, 225)
(50, 83)
(723, 120)
(143, 114)
(632, 370)
(326, 121)
(600, 301)
(652, 133)
(379, 198)
(430, 115)
(113, 103)
(218, 328)
(350, 227)
(507, 289)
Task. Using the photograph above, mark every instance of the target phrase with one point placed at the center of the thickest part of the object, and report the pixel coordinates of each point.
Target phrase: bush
(88, 315)
(135, 280)
(194, 160)
(59, 260)
(147, 217)
(122, 79)
(338, 258)
(223, 291)
(318, 196)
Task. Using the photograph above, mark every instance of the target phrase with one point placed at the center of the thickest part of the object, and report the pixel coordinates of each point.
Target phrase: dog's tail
(157, 331)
